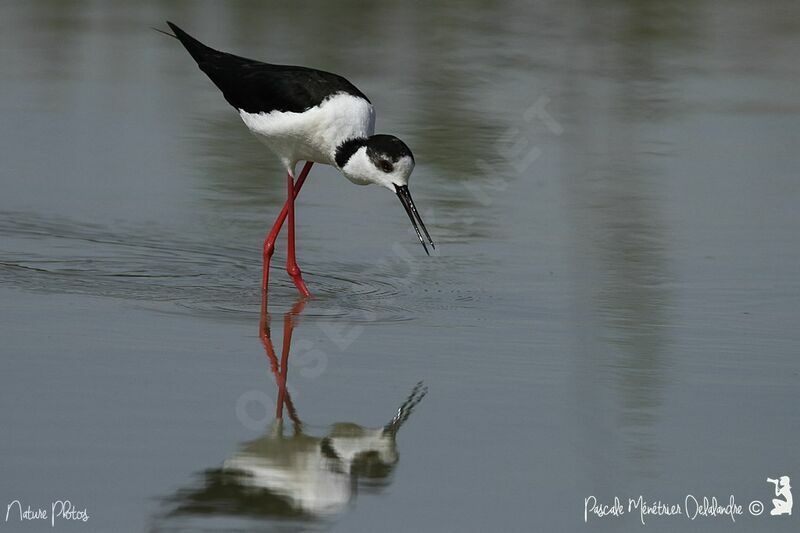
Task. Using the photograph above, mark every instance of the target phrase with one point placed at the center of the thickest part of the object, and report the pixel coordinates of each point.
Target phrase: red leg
(291, 260)
(284, 366)
(288, 328)
(281, 369)
(266, 340)
(269, 242)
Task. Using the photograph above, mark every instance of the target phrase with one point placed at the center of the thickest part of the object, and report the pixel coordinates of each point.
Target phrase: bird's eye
(386, 166)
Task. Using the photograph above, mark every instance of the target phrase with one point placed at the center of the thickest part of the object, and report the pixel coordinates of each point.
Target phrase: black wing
(257, 87)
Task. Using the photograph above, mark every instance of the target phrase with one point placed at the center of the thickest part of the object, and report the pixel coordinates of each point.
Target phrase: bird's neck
(346, 149)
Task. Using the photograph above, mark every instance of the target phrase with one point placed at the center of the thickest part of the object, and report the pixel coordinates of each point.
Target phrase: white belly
(313, 135)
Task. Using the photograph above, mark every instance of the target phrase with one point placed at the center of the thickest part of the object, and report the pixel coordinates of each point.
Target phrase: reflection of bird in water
(297, 475)
(319, 475)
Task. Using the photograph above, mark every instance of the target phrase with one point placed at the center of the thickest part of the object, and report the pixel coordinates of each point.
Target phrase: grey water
(611, 311)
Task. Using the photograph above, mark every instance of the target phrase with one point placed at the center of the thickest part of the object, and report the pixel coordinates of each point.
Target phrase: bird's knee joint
(293, 270)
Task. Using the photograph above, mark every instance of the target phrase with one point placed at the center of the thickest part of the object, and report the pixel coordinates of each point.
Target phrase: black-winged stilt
(303, 114)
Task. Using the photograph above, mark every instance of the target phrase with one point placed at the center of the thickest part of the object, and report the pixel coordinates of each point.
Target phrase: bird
(305, 114)
(299, 474)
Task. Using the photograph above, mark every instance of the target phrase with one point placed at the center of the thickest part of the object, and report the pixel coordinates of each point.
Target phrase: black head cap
(382, 147)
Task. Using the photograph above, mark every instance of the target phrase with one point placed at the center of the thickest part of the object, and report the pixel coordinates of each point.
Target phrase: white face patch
(362, 170)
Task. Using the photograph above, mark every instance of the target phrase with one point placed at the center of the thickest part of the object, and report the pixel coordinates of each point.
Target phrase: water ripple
(219, 279)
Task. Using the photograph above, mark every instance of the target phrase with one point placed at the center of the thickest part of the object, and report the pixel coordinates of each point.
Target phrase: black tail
(162, 31)
(198, 50)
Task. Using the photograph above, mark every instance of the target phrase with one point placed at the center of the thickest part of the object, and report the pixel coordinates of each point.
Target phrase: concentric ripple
(219, 279)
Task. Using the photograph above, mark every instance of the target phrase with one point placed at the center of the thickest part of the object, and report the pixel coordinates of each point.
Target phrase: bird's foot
(301, 286)
(297, 277)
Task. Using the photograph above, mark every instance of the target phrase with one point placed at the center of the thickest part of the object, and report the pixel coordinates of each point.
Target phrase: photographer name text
(692, 508)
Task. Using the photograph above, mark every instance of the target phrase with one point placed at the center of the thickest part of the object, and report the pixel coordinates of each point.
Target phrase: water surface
(611, 311)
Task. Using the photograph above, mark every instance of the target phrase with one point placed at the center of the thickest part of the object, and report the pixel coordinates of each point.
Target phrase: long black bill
(413, 215)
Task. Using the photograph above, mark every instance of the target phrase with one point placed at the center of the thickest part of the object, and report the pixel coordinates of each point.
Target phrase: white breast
(313, 135)
(306, 479)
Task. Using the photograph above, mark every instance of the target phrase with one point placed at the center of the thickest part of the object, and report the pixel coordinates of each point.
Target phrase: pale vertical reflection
(620, 245)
